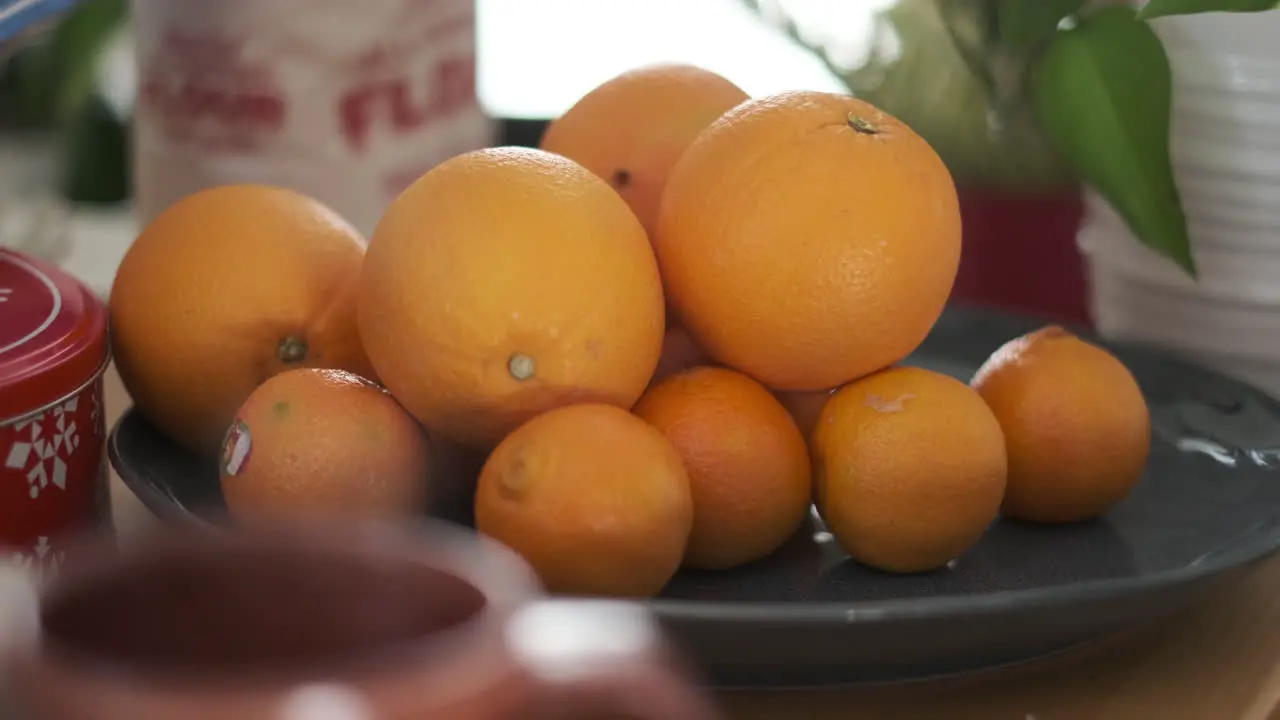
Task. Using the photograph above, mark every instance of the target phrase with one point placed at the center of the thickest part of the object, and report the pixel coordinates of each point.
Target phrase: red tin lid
(53, 335)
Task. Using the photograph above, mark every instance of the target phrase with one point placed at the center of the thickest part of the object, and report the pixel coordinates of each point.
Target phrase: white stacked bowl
(1226, 156)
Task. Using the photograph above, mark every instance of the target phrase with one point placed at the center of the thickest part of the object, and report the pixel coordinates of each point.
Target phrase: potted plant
(1028, 101)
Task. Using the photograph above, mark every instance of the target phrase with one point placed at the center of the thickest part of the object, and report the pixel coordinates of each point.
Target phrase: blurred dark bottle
(346, 101)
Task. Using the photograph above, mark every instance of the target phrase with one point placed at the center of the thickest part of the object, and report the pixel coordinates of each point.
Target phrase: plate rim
(1260, 542)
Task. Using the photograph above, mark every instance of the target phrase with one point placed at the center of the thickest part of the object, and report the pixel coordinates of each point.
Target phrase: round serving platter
(1208, 506)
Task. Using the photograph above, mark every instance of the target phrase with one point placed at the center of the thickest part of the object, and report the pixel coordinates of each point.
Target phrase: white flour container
(346, 101)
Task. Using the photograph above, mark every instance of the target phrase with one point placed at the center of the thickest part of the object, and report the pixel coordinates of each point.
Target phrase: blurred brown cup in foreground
(324, 622)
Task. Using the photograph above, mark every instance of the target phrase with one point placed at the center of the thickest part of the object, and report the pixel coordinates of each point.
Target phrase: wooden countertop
(1220, 661)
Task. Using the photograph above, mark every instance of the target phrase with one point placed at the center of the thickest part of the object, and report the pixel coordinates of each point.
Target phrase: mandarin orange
(909, 469)
(313, 441)
(747, 462)
(595, 499)
(1075, 422)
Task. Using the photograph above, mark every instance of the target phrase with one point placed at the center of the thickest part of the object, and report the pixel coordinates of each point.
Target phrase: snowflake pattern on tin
(50, 438)
(43, 561)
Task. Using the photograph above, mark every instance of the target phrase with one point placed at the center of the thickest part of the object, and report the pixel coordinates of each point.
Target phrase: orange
(909, 469)
(679, 353)
(595, 499)
(314, 441)
(453, 473)
(747, 462)
(805, 406)
(808, 239)
(631, 130)
(1075, 422)
(506, 282)
(224, 289)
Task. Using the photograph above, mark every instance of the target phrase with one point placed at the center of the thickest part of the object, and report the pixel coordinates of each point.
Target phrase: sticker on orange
(236, 448)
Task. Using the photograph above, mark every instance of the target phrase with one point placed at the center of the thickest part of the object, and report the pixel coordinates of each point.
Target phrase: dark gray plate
(1208, 504)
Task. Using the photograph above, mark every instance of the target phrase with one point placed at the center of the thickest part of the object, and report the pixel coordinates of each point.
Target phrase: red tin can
(53, 352)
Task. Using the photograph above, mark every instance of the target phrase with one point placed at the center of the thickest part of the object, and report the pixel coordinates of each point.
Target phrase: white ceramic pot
(1226, 148)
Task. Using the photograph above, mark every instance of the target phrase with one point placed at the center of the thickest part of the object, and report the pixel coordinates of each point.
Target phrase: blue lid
(18, 15)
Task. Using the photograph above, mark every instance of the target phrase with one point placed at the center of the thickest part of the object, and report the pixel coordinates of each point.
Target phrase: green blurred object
(1105, 93)
(1026, 95)
(26, 90)
(96, 158)
(54, 86)
(78, 43)
(932, 65)
(43, 84)
(1028, 26)
(1164, 8)
(978, 117)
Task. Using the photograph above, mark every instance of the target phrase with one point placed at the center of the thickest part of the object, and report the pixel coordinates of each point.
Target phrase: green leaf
(1026, 24)
(1162, 8)
(1103, 95)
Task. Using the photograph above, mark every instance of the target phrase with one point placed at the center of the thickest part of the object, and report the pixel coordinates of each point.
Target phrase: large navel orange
(224, 289)
(909, 468)
(325, 442)
(808, 239)
(748, 463)
(594, 498)
(506, 282)
(631, 129)
(1076, 425)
